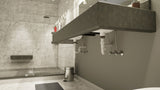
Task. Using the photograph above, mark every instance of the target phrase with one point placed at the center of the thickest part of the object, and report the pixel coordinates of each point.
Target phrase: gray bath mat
(48, 86)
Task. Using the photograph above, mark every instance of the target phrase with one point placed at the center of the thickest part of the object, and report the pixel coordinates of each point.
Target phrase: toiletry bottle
(55, 28)
(136, 4)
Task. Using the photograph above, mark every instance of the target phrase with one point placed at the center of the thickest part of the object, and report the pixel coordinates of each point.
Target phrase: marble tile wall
(66, 55)
(66, 52)
(23, 31)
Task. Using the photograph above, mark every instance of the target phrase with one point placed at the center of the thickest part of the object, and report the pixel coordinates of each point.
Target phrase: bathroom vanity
(29, 83)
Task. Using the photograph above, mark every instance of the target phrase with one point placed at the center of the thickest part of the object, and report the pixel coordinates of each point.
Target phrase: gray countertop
(29, 83)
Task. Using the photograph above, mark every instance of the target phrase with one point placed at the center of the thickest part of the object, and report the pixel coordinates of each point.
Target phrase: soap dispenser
(69, 74)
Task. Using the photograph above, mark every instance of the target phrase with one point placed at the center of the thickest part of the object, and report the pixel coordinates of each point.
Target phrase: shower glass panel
(24, 30)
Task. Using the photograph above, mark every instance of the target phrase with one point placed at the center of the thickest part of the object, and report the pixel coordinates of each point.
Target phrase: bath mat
(48, 86)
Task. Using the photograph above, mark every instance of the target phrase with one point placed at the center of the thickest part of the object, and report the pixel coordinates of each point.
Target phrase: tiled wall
(23, 31)
(66, 55)
(66, 52)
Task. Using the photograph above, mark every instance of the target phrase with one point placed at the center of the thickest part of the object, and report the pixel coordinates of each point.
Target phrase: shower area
(25, 39)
